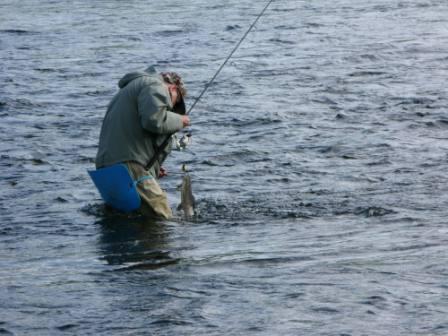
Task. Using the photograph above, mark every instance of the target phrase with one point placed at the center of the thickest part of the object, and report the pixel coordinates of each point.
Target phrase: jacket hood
(126, 79)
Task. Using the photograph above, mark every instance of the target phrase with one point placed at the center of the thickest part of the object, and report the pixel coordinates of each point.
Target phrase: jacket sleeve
(153, 109)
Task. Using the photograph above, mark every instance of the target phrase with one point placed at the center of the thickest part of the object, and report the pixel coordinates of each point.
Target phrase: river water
(318, 161)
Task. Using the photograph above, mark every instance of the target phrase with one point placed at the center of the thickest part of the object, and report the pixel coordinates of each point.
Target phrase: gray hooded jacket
(137, 121)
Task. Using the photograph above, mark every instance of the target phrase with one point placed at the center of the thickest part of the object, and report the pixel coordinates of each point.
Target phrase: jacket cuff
(173, 122)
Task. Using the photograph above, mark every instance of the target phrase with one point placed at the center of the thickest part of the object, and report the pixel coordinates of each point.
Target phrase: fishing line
(163, 145)
(228, 57)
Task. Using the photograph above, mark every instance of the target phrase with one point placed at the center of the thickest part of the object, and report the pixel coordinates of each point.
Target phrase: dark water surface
(319, 161)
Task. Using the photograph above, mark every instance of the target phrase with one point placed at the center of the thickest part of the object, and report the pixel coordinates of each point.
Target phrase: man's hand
(185, 121)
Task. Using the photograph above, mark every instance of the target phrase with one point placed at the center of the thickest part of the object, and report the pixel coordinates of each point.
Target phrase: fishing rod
(163, 145)
(230, 55)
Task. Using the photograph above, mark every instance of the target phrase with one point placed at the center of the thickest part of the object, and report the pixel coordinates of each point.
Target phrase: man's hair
(174, 78)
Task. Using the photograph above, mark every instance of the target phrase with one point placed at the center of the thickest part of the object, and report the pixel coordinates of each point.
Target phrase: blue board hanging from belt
(117, 188)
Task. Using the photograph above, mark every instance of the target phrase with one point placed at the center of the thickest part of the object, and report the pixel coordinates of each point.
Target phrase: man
(147, 110)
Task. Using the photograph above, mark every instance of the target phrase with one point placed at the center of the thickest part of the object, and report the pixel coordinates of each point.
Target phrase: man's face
(174, 93)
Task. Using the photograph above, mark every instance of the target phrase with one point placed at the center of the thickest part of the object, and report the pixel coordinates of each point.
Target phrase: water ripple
(318, 161)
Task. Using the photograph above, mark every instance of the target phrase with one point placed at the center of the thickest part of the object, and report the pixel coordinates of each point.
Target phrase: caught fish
(187, 202)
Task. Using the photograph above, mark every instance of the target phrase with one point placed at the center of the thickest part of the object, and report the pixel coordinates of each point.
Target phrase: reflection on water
(134, 242)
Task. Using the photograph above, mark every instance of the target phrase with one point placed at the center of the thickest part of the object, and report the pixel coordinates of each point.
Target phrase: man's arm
(153, 109)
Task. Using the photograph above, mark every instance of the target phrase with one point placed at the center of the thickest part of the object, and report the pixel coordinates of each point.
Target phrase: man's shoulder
(150, 80)
(151, 85)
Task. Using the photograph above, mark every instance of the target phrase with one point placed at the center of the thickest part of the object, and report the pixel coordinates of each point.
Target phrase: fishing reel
(183, 142)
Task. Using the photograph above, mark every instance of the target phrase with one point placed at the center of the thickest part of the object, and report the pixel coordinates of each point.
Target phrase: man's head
(177, 91)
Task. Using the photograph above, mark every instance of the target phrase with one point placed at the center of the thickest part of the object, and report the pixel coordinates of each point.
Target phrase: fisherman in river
(137, 131)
